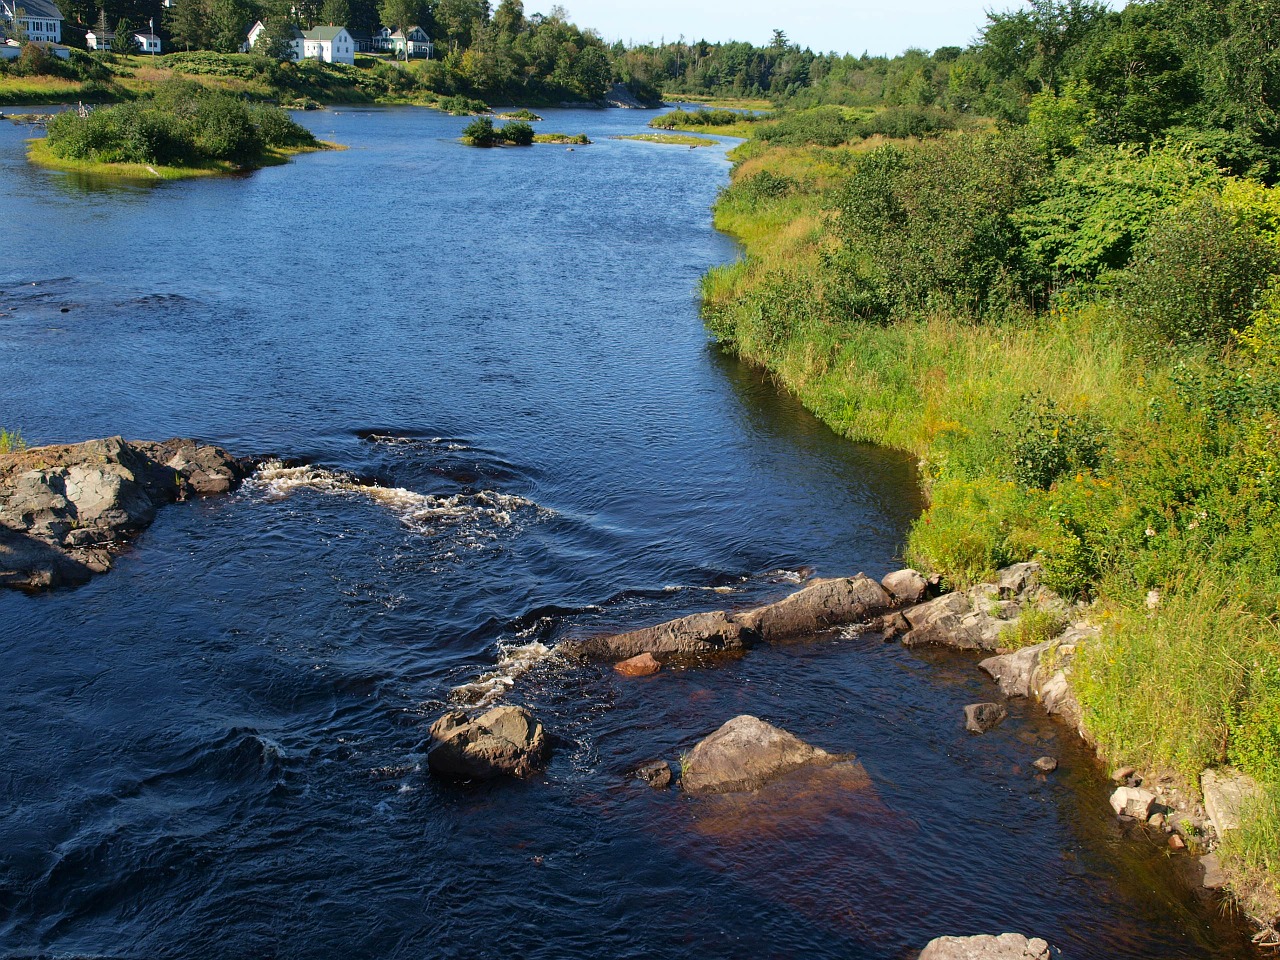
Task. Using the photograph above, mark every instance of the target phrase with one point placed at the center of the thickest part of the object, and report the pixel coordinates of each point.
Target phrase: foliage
(702, 118)
(184, 125)
(1032, 627)
(482, 133)
(11, 441)
(460, 106)
(1049, 443)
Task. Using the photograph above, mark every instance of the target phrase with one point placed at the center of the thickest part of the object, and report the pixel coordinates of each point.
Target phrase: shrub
(1197, 276)
(1048, 443)
(480, 133)
(517, 132)
(11, 441)
(907, 122)
(821, 126)
(460, 106)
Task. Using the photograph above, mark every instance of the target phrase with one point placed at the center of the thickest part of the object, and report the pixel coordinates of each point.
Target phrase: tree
(457, 19)
(124, 42)
(336, 13)
(276, 40)
(508, 19)
(186, 23)
(401, 15)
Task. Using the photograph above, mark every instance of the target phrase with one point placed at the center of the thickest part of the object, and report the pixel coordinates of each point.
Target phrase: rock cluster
(978, 618)
(66, 511)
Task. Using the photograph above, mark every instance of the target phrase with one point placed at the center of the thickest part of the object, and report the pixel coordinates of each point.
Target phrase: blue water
(217, 748)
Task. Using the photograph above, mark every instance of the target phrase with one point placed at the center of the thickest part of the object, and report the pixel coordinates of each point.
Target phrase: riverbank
(1147, 503)
(38, 153)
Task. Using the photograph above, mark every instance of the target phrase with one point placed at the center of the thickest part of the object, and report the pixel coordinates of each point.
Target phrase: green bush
(517, 132)
(901, 123)
(821, 126)
(480, 133)
(1196, 277)
(1048, 443)
(460, 106)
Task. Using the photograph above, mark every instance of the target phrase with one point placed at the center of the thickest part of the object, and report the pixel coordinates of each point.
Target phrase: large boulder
(906, 586)
(1007, 946)
(1043, 671)
(1133, 802)
(981, 717)
(1227, 793)
(505, 741)
(83, 500)
(699, 634)
(744, 754)
(822, 604)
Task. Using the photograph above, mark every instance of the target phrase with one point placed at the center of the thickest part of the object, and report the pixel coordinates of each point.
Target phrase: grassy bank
(1121, 426)
(38, 152)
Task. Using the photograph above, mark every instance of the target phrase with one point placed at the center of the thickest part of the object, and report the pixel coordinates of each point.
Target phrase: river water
(498, 423)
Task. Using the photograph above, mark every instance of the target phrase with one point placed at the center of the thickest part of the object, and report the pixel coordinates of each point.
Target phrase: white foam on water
(422, 512)
(514, 661)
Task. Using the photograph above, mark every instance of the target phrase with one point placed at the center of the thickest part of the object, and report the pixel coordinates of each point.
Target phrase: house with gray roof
(39, 20)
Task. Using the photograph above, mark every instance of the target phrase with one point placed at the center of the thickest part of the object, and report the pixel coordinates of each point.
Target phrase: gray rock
(1045, 764)
(30, 564)
(1212, 876)
(822, 604)
(696, 635)
(981, 717)
(977, 618)
(506, 741)
(745, 754)
(1133, 802)
(85, 500)
(1014, 581)
(1226, 793)
(1043, 672)
(906, 586)
(1007, 946)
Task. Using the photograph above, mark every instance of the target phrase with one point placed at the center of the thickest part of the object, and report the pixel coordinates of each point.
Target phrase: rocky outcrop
(745, 754)
(822, 604)
(66, 511)
(978, 618)
(620, 96)
(981, 717)
(1007, 946)
(1043, 672)
(656, 774)
(506, 741)
(906, 586)
(699, 634)
(1226, 793)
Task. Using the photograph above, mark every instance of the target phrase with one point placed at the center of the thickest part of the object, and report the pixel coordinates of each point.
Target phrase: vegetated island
(184, 130)
(481, 132)
(1072, 320)
(672, 139)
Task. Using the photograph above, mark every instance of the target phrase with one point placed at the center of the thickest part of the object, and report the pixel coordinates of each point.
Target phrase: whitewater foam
(514, 661)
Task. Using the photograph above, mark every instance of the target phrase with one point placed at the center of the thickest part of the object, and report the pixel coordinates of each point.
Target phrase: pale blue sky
(852, 26)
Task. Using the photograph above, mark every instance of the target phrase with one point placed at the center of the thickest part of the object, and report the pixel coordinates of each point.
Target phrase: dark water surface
(215, 750)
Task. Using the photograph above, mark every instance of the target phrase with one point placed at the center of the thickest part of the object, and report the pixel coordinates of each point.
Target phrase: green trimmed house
(330, 44)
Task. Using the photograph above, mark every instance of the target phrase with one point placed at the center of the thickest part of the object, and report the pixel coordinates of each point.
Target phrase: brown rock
(745, 754)
(656, 774)
(504, 741)
(906, 586)
(1121, 774)
(644, 665)
(1046, 764)
(1007, 946)
(1176, 842)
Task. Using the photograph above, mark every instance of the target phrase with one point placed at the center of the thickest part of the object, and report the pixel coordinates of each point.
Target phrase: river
(499, 423)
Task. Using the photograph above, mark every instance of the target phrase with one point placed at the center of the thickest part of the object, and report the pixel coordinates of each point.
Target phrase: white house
(147, 42)
(99, 41)
(258, 29)
(415, 38)
(330, 44)
(40, 20)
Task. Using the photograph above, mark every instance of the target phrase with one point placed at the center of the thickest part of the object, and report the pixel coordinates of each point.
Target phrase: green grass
(579, 139)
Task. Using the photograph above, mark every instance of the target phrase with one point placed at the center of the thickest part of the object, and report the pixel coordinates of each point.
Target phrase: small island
(672, 139)
(184, 130)
(482, 133)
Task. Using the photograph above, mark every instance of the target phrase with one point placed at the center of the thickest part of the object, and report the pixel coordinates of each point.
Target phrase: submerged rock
(1007, 946)
(1045, 764)
(981, 717)
(822, 604)
(645, 665)
(656, 774)
(745, 754)
(66, 510)
(506, 741)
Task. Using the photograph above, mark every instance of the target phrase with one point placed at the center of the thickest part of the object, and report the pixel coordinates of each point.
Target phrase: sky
(852, 26)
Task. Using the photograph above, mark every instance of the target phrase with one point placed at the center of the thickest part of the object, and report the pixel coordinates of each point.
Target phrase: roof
(324, 34)
(363, 35)
(146, 36)
(34, 9)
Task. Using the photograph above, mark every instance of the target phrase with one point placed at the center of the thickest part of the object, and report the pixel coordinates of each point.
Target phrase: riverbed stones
(822, 604)
(981, 717)
(67, 510)
(656, 774)
(1043, 671)
(1133, 802)
(1226, 793)
(505, 741)
(745, 754)
(1045, 764)
(1007, 946)
(645, 665)
(906, 586)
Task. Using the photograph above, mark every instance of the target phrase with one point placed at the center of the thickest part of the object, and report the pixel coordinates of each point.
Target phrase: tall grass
(11, 441)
